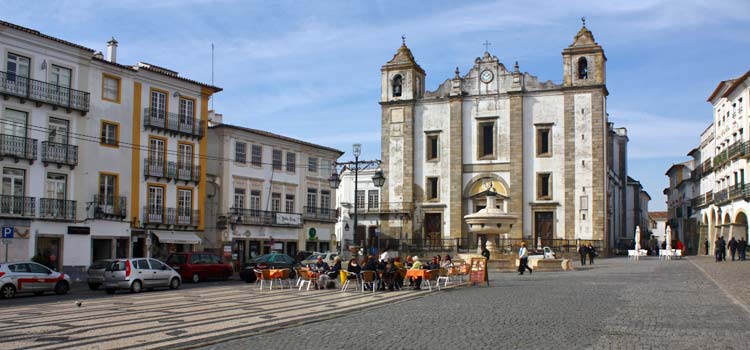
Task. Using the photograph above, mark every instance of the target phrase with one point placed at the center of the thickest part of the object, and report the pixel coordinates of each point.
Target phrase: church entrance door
(433, 228)
(543, 227)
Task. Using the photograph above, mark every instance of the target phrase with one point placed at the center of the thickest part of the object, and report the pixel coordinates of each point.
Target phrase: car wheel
(175, 283)
(38, 293)
(196, 278)
(136, 287)
(94, 286)
(61, 288)
(8, 291)
(110, 290)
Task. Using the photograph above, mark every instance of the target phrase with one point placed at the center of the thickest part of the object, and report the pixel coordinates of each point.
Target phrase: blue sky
(311, 69)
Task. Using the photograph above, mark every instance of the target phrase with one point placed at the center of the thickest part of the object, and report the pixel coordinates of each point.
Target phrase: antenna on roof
(212, 73)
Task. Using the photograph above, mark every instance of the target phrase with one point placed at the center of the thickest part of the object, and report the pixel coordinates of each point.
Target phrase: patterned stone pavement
(732, 276)
(617, 304)
(171, 319)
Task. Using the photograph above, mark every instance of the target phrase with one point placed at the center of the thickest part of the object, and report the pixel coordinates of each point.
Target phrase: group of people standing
(587, 251)
(736, 247)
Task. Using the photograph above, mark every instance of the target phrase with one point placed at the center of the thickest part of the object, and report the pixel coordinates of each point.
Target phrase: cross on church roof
(403, 39)
(583, 20)
(487, 45)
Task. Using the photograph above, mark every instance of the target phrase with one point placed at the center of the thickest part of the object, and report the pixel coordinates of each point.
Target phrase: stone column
(516, 183)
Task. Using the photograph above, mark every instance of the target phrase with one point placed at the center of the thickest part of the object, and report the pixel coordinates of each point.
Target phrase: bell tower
(402, 79)
(584, 63)
(402, 83)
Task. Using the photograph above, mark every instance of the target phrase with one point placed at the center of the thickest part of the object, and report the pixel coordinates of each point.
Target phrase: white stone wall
(583, 163)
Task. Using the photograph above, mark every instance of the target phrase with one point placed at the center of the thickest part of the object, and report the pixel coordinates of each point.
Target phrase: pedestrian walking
(733, 247)
(523, 256)
(717, 250)
(723, 244)
(485, 253)
(742, 248)
(705, 244)
(592, 253)
(582, 250)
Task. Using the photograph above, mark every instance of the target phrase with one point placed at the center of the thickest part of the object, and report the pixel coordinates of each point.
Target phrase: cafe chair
(264, 276)
(299, 276)
(368, 277)
(464, 271)
(432, 277)
(346, 278)
(285, 276)
(305, 278)
(446, 275)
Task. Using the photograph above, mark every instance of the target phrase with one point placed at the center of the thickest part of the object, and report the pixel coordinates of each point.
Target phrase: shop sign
(288, 219)
(227, 249)
(7, 231)
(79, 230)
(312, 234)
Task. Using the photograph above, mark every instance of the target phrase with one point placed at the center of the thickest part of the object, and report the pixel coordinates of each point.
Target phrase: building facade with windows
(271, 192)
(679, 203)
(541, 144)
(78, 134)
(367, 198)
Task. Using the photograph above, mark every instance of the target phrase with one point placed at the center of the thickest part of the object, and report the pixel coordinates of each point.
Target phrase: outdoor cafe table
(275, 273)
(417, 273)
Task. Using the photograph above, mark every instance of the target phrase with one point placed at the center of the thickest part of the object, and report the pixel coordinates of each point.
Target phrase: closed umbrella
(669, 238)
(638, 240)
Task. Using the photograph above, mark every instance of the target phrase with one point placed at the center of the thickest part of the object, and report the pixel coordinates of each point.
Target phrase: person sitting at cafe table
(353, 267)
(330, 274)
(389, 275)
(400, 272)
(320, 265)
(434, 264)
(370, 264)
(447, 262)
(416, 266)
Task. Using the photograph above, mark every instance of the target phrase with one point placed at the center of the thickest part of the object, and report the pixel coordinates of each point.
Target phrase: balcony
(173, 123)
(17, 206)
(702, 200)
(17, 147)
(185, 172)
(320, 214)
(41, 92)
(707, 167)
(721, 197)
(57, 209)
(107, 207)
(170, 216)
(739, 192)
(170, 170)
(264, 218)
(60, 154)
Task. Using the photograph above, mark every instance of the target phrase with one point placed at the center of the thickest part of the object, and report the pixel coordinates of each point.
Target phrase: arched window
(397, 86)
(583, 68)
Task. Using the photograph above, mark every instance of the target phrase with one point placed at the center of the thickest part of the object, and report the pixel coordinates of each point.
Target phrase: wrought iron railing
(170, 170)
(108, 207)
(59, 153)
(740, 191)
(264, 218)
(174, 122)
(17, 206)
(56, 95)
(187, 172)
(315, 213)
(721, 196)
(154, 168)
(57, 209)
(17, 147)
(170, 216)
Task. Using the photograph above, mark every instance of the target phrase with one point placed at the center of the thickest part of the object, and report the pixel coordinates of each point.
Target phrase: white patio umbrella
(638, 240)
(669, 238)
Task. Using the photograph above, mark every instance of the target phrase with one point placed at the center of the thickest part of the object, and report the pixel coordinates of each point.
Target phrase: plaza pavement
(616, 304)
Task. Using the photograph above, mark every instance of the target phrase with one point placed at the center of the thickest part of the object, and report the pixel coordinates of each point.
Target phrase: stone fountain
(493, 220)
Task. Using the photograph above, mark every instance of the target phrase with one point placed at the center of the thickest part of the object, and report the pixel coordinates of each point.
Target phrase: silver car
(30, 277)
(137, 274)
(95, 273)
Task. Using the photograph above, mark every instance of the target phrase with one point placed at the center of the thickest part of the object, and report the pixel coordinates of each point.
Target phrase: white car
(30, 277)
(137, 274)
(547, 253)
(327, 257)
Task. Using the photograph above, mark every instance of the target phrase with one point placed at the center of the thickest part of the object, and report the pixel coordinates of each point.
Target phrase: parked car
(545, 253)
(137, 274)
(95, 273)
(327, 257)
(30, 277)
(198, 266)
(302, 255)
(267, 261)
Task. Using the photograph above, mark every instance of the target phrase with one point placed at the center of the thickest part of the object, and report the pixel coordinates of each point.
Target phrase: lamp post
(378, 180)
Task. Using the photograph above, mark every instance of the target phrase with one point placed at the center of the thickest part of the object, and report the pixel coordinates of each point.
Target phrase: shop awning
(177, 237)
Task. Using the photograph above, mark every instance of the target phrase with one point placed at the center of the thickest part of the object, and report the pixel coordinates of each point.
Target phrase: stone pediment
(584, 37)
(404, 57)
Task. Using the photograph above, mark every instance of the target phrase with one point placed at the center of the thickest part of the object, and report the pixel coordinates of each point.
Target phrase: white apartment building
(271, 192)
(99, 159)
(368, 207)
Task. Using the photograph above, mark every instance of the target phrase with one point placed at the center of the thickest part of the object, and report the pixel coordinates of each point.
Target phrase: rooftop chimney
(112, 50)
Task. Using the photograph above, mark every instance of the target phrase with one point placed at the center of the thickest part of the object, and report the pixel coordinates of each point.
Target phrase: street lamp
(378, 180)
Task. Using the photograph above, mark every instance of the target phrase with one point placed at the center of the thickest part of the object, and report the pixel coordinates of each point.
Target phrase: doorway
(48, 252)
(433, 224)
(543, 227)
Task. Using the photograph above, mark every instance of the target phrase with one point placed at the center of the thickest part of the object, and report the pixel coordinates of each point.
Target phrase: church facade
(541, 145)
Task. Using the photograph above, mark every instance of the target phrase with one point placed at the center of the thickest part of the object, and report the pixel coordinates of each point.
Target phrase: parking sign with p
(7, 231)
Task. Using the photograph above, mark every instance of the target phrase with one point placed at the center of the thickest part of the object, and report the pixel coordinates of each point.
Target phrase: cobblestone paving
(170, 319)
(617, 304)
(732, 276)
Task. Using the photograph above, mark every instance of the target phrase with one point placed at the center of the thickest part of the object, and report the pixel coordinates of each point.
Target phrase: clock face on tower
(486, 76)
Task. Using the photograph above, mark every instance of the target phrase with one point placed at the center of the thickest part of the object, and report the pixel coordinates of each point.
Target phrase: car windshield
(176, 259)
(100, 264)
(116, 266)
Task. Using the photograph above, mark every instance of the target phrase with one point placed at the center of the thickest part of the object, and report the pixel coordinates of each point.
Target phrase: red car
(198, 266)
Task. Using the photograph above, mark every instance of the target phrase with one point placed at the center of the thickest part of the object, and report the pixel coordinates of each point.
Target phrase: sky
(311, 69)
